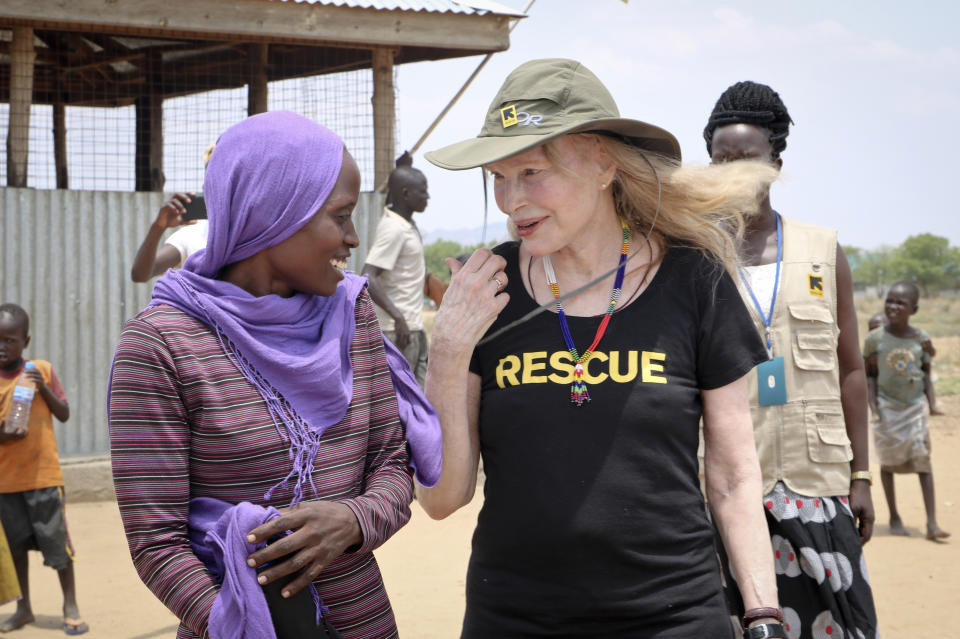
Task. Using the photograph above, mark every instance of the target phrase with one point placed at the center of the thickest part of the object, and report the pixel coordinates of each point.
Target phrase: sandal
(75, 627)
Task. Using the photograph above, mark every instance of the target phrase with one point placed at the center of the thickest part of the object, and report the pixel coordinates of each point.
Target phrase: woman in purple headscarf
(255, 400)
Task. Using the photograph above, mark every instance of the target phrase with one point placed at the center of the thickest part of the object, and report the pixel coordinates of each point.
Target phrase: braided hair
(751, 103)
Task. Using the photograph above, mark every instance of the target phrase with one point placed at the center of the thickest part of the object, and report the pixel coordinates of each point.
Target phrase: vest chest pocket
(826, 434)
(814, 342)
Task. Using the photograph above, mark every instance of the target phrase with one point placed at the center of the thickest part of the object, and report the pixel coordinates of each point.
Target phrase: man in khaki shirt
(396, 269)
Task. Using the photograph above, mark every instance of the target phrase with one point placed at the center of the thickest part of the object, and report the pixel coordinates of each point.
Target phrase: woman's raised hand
(471, 303)
(321, 532)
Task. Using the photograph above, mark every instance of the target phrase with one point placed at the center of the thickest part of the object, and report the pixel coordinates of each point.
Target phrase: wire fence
(115, 100)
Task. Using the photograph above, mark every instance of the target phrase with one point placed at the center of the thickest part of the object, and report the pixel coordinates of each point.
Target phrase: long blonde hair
(701, 207)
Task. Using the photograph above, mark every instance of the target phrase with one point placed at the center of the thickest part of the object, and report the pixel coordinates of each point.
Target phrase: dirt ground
(916, 582)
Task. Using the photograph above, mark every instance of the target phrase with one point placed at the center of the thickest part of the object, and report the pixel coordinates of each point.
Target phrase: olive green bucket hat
(541, 100)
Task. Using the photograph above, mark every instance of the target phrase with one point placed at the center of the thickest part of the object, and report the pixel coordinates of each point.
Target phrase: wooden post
(384, 115)
(60, 137)
(22, 57)
(257, 60)
(149, 151)
(60, 144)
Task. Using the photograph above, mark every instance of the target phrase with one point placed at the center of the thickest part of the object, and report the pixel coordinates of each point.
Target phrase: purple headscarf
(268, 176)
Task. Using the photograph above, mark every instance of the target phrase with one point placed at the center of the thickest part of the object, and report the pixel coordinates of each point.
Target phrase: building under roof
(138, 74)
(105, 53)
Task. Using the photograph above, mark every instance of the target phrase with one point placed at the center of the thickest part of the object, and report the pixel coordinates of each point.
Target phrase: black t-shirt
(593, 523)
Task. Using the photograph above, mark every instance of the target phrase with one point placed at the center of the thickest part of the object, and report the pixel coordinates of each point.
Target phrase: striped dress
(184, 422)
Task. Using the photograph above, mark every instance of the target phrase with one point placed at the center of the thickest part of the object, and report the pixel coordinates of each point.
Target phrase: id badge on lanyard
(771, 383)
(771, 377)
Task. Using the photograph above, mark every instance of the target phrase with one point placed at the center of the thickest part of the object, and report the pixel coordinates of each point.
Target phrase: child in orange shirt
(31, 482)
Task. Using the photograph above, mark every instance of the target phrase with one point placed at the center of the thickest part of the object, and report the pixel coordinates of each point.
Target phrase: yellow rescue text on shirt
(541, 367)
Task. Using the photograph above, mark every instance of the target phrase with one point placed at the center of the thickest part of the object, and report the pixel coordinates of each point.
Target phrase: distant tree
(436, 251)
(871, 267)
(927, 260)
(855, 256)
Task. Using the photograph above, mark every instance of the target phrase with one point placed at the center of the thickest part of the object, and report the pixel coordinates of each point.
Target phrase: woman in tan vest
(808, 401)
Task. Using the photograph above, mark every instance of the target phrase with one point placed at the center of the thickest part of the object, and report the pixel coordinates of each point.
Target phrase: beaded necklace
(578, 389)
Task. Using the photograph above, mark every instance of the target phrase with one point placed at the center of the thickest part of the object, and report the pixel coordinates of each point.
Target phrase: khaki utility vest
(804, 442)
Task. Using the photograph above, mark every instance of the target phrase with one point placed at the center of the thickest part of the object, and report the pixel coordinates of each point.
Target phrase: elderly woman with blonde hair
(587, 418)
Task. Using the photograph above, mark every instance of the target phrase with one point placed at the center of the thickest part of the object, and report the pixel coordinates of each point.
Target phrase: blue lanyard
(768, 318)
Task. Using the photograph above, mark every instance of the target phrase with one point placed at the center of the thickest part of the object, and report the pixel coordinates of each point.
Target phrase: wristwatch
(765, 630)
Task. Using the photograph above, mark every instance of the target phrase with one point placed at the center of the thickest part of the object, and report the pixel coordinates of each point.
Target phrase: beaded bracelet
(761, 613)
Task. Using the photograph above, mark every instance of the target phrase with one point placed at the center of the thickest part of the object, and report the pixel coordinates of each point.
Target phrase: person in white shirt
(396, 269)
(150, 260)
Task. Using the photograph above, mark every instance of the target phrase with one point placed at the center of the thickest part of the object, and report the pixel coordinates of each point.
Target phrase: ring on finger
(498, 281)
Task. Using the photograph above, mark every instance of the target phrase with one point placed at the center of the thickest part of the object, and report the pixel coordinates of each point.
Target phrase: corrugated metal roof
(476, 7)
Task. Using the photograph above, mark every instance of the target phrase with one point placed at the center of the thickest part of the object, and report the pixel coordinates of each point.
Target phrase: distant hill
(468, 236)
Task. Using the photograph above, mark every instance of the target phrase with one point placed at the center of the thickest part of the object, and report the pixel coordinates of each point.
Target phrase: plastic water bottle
(19, 415)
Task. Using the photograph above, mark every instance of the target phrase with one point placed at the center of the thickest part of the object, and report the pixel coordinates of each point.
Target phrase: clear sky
(873, 89)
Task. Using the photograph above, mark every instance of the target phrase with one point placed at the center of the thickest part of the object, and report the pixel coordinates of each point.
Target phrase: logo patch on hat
(816, 285)
(508, 115)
